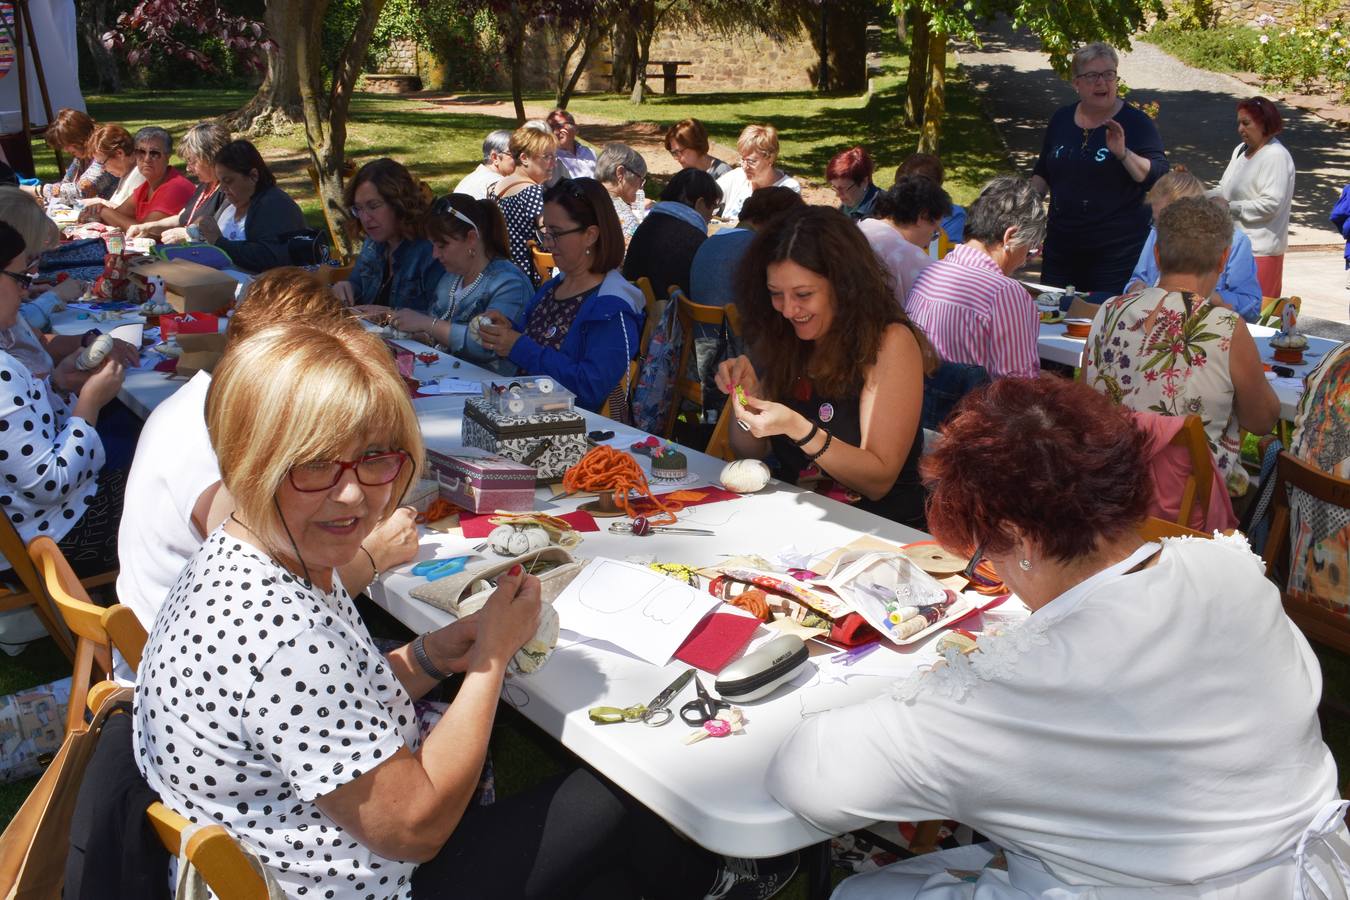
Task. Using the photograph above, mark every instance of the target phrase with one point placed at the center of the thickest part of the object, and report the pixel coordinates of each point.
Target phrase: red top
(168, 199)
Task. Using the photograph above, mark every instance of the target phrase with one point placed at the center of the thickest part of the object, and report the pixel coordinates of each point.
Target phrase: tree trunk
(326, 111)
(644, 53)
(625, 55)
(515, 42)
(917, 81)
(935, 103)
(588, 38)
(93, 23)
(275, 108)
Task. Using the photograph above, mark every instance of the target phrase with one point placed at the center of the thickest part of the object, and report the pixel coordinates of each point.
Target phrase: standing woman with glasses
(520, 196)
(1098, 160)
(582, 326)
(758, 147)
(395, 268)
(469, 237)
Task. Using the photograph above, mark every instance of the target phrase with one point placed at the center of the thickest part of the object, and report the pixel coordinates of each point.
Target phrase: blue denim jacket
(38, 313)
(503, 287)
(416, 274)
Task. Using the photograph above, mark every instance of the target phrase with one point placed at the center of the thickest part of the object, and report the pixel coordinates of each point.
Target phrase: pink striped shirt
(973, 313)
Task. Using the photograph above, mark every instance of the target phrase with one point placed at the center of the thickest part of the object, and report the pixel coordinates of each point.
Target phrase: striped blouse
(973, 313)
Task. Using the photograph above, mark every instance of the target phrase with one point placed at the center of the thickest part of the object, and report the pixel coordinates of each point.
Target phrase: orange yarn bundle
(607, 469)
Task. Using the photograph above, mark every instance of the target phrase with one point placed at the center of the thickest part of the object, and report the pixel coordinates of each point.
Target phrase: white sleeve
(848, 767)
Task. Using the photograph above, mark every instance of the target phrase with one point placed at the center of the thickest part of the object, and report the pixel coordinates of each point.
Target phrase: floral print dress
(1319, 533)
(1174, 363)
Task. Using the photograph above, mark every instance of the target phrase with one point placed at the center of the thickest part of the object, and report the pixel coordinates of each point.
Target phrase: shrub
(1312, 51)
(1223, 48)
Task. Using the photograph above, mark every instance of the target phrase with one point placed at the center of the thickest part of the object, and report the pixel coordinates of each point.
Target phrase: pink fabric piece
(1171, 466)
(972, 313)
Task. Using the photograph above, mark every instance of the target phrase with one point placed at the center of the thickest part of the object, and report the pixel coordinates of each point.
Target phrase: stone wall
(1245, 12)
(401, 58)
(741, 62)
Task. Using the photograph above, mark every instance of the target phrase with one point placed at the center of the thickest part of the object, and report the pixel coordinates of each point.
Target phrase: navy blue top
(1091, 193)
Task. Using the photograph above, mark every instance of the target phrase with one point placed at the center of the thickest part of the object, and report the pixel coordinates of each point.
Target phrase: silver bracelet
(419, 652)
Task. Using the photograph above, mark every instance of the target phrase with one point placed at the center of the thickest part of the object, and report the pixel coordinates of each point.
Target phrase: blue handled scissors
(433, 569)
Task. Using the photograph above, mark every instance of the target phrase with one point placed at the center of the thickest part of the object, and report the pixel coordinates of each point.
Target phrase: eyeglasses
(369, 209)
(752, 159)
(549, 236)
(970, 573)
(149, 154)
(23, 278)
(1094, 77)
(372, 470)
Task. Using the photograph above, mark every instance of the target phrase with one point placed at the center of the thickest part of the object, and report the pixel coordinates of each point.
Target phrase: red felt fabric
(476, 525)
(716, 640)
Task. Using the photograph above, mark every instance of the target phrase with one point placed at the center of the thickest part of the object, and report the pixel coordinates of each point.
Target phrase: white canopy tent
(54, 27)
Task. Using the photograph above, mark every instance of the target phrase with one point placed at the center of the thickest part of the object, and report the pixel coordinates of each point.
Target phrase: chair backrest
(1155, 529)
(34, 594)
(87, 621)
(719, 444)
(1200, 482)
(685, 389)
(543, 262)
(1272, 308)
(216, 855)
(653, 309)
(1318, 622)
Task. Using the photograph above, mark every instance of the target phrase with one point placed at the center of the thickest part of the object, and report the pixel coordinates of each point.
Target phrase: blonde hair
(1177, 183)
(763, 138)
(1192, 237)
(287, 294)
(532, 141)
(19, 210)
(296, 393)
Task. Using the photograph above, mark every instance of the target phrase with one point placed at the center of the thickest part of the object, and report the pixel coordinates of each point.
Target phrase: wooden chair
(1200, 483)
(685, 389)
(654, 310)
(543, 262)
(1155, 529)
(217, 856)
(33, 593)
(719, 444)
(1272, 308)
(94, 626)
(612, 411)
(1318, 622)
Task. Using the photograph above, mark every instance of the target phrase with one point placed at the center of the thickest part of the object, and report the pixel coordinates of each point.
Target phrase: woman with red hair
(850, 174)
(1148, 730)
(1259, 187)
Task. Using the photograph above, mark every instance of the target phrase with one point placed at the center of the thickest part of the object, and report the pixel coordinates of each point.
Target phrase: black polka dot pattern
(258, 694)
(49, 460)
(522, 211)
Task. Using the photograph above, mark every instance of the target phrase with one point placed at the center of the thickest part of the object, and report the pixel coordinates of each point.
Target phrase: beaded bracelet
(815, 429)
(821, 452)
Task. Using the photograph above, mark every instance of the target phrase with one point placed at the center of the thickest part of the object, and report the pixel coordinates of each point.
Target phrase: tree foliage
(154, 28)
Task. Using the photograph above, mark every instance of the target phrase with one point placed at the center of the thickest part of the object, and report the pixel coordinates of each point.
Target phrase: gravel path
(1196, 119)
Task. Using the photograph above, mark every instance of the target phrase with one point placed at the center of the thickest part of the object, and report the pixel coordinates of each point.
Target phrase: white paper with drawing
(644, 612)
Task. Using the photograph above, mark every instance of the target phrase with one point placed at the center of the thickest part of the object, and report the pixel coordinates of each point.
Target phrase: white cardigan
(1259, 192)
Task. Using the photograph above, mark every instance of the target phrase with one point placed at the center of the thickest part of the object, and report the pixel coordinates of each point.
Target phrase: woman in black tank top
(838, 380)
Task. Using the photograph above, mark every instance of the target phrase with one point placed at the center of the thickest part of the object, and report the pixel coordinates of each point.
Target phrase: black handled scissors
(703, 708)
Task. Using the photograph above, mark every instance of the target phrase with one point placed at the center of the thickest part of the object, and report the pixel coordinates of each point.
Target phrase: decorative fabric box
(551, 442)
(483, 482)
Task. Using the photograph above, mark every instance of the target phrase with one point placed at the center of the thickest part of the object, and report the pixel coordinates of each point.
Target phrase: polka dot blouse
(258, 694)
(521, 211)
(49, 458)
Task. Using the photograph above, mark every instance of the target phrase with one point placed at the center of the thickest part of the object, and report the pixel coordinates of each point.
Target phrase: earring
(588, 251)
(1024, 565)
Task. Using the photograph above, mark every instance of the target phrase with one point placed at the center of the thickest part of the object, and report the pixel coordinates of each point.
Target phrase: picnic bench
(670, 77)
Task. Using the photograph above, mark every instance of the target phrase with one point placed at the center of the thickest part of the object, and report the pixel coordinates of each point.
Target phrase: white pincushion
(92, 357)
(745, 476)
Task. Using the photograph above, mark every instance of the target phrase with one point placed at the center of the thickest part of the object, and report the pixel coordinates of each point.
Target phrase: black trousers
(1090, 264)
(573, 836)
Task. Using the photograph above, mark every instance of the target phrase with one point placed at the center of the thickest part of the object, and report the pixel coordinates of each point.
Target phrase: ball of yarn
(475, 324)
(513, 540)
(745, 476)
(93, 355)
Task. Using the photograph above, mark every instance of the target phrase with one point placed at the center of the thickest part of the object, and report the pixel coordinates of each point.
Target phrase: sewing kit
(482, 482)
(533, 422)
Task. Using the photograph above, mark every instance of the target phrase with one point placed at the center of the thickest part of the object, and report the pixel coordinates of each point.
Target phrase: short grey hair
(499, 142)
(203, 141)
(538, 125)
(159, 134)
(1095, 50)
(1193, 234)
(1008, 201)
(615, 155)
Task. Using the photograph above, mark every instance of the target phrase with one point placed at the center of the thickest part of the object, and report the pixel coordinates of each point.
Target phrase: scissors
(654, 714)
(433, 569)
(703, 708)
